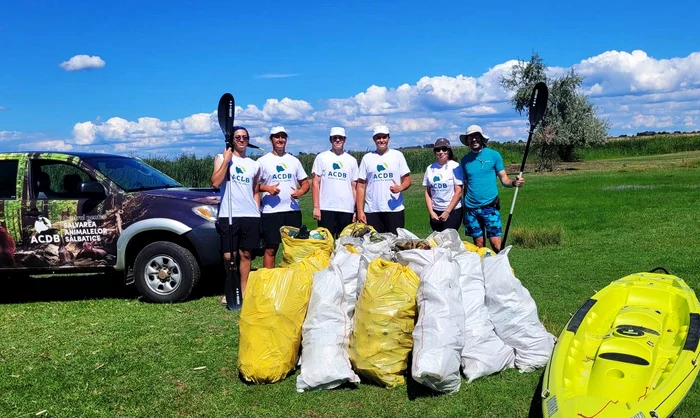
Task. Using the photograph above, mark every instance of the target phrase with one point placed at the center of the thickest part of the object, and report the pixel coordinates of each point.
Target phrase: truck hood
(196, 195)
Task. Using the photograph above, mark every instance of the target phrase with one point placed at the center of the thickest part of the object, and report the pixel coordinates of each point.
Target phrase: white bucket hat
(472, 129)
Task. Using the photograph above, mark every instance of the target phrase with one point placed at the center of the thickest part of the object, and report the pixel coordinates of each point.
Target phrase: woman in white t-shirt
(237, 176)
(443, 182)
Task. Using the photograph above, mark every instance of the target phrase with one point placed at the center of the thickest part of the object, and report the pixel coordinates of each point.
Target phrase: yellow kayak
(630, 351)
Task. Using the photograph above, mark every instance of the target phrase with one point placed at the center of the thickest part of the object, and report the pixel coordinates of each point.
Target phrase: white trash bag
(438, 337)
(325, 335)
(514, 314)
(484, 353)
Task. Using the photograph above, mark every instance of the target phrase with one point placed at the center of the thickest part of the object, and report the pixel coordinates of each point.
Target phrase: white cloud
(634, 91)
(50, 145)
(2, 108)
(83, 62)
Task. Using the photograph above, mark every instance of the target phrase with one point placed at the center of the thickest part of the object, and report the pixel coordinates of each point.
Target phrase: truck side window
(58, 180)
(8, 179)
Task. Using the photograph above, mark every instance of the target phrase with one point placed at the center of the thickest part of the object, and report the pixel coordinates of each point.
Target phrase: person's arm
(315, 195)
(218, 176)
(429, 203)
(508, 182)
(360, 201)
(301, 191)
(256, 190)
(453, 202)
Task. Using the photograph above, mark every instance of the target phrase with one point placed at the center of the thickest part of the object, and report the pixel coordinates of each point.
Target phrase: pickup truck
(67, 213)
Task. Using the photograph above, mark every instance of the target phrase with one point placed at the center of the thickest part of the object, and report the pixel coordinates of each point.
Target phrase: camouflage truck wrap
(74, 213)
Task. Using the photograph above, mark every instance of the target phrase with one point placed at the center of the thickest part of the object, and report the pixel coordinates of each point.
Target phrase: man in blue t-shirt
(481, 166)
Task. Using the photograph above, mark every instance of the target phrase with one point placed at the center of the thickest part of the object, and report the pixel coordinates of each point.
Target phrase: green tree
(570, 121)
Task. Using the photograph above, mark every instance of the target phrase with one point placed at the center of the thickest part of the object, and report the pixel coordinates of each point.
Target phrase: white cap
(472, 129)
(277, 129)
(337, 131)
(381, 129)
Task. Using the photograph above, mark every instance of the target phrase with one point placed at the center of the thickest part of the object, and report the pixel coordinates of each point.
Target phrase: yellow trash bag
(483, 251)
(316, 261)
(354, 227)
(294, 249)
(383, 323)
(273, 312)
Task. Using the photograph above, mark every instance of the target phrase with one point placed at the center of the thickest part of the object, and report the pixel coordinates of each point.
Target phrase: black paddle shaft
(536, 108)
(232, 288)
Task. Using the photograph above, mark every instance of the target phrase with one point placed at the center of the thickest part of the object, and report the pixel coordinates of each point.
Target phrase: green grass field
(113, 355)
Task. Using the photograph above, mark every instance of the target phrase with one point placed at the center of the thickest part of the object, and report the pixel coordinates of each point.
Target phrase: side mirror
(92, 189)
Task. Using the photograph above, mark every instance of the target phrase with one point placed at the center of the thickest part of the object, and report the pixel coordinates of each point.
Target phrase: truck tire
(165, 272)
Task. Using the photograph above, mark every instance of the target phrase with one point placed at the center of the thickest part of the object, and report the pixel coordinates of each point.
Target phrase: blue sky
(155, 71)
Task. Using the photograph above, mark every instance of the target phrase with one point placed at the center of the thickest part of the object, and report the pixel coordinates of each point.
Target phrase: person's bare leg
(244, 268)
(479, 241)
(495, 243)
(269, 257)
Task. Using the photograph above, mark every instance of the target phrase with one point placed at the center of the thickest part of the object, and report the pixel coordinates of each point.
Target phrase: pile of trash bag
(369, 304)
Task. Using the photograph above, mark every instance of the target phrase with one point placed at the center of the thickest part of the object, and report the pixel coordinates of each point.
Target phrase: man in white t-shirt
(334, 180)
(382, 176)
(282, 182)
(237, 176)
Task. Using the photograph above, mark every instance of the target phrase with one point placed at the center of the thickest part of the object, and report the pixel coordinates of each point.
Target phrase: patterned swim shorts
(476, 220)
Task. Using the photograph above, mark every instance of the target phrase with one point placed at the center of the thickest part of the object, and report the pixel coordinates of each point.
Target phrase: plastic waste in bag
(383, 323)
(270, 324)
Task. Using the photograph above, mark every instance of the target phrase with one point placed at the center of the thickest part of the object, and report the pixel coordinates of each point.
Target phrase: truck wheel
(165, 272)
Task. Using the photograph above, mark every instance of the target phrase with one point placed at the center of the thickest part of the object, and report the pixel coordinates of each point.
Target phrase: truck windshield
(131, 174)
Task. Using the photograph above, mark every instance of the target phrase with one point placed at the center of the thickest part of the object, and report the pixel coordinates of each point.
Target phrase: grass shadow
(63, 288)
(536, 402)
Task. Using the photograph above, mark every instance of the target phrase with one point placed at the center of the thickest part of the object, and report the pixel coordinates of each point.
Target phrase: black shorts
(386, 221)
(245, 231)
(334, 221)
(454, 221)
(272, 222)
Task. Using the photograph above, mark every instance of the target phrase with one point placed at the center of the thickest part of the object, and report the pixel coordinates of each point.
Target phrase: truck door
(64, 227)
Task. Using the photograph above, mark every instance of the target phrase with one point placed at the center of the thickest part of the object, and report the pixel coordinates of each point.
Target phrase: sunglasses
(280, 136)
(443, 149)
(381, 137)
(244, 137)
(473, 138)
(337, 138)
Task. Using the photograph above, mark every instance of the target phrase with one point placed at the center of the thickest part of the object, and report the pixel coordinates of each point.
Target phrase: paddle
(536, 108)
(232, 288)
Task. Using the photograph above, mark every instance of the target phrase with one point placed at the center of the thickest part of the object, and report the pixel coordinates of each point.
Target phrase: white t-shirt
(442, 180)
(288, 172)
(337, 172)
(237, 190)
(381, 172)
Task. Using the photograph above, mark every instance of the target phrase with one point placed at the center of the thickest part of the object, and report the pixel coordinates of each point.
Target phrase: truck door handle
(33, 212)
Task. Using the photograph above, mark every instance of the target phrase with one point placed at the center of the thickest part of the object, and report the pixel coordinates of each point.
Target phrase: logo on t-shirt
(280, 173)
(437, 178)
(336, 173)
(383, 176)
(238, 178)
